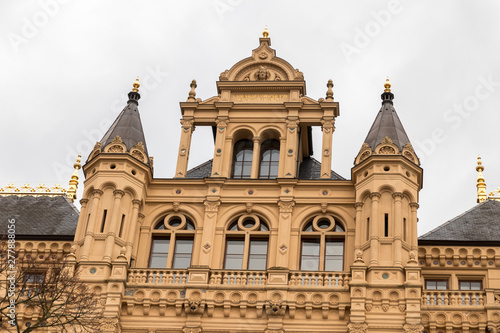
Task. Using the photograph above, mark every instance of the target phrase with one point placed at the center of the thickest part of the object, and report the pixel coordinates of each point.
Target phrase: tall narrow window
(367, 228)
(103, 220)
(121, 226)
(386, 225)
(404, 229)
(242, 159)
(269, 159)
(247, 243)
(172, 244)
(322, 246)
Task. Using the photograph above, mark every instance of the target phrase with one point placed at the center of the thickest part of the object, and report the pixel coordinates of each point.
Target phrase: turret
(117, 172)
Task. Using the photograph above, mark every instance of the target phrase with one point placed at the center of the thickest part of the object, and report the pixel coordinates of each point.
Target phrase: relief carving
(413, 328)
(286, 206)
(357, 327)
(212, 206)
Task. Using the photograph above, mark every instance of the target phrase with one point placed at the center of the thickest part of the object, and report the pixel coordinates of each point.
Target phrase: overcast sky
(66, 67)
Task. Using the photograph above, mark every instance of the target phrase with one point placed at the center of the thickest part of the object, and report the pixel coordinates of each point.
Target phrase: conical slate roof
(127, 125)
(387, 124)
(479, 224)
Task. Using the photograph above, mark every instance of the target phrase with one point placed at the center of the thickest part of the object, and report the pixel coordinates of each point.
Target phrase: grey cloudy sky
(68, 65)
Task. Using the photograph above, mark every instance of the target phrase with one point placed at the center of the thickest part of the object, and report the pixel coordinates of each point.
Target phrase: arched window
(247, 241)
(269, 159)
(172, 243)
(322, 246)
(242, 159)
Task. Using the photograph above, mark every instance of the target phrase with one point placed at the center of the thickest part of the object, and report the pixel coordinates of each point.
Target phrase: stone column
(291, 148)
(327, 126)
(82, 225)
(132, 229)
(141, 238)
(256, 158)
(284, 228)
(359, 224)
(398, 228)
(220, 139)
(89, 234)
(207, 239)
(184, 146)
(114, 224)
(414, 230)
(374, 229)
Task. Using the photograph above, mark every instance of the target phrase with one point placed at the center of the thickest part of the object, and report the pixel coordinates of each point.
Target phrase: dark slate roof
(309, 169)
(387, 123)
(127, 125)
(479, 224)
(41, 217)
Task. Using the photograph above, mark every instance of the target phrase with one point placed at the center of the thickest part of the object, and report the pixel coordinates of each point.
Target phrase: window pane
(159, 253)
(431, 285)
(310, 255)
(182, 254)
(258, 254)
(266, 156)
(247, 169)
(334, 256)
(234, 254)
(475, 285)
(441, 285)
(247, 155)
(237, 169)
(257, 262)
(273, 173)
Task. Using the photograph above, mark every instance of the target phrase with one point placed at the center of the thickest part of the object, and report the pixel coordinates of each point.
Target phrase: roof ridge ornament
(192, 92)
(73, 183)
(387, 96)
(481, 184)
(265, 33)
(133, 95)
(329, 92)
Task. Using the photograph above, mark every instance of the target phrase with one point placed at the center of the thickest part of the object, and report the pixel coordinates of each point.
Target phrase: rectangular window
(257, 258)
(159, 253)
(436, 284)
(470, 285)
(310, 255)
(121, 226)
(334, 256)
(368, 228)
(234, 254)
(103, 220)
(404, 229)
(182, 253)
(386, 225)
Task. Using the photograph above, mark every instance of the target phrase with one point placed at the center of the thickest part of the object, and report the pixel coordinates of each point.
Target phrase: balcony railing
(297, 279)
(453, 298)
(318, 279)
(157, 276)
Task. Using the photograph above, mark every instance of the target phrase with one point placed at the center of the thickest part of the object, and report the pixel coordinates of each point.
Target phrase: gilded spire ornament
(329, 92)
(387, 85)
(265, 33)
(136, 85)
(481, 184)
(192, 93)
(73, 183)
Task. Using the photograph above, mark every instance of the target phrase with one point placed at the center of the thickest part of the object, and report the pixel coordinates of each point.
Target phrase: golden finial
(73, 183)
(329, 92)
(265, 33)
(192, 93)
(136, 85)
(387, 85)
(481, 184)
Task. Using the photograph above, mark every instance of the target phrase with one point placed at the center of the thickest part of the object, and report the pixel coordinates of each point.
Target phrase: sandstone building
(265, 238)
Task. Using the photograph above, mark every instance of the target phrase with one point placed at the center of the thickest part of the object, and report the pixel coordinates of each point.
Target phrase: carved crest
(117, 139)
(386, 141)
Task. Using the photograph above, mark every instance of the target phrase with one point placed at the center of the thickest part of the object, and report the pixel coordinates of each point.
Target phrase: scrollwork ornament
(286, 206)
(212, 206)
(413, 328)
(357, 327)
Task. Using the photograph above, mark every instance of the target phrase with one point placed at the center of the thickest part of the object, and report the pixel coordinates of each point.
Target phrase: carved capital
(212, 206)
(286, 206)
(97, 193)
(292, 123)
(398, 196)
(187, 125)
(375, 196)
(414, 206)
(191, 330)
(137, 203)
(357, 327)
(413, 328)
(118, 193)
(358, 206)
(328, 125)
(84, 202)
(221, 123)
